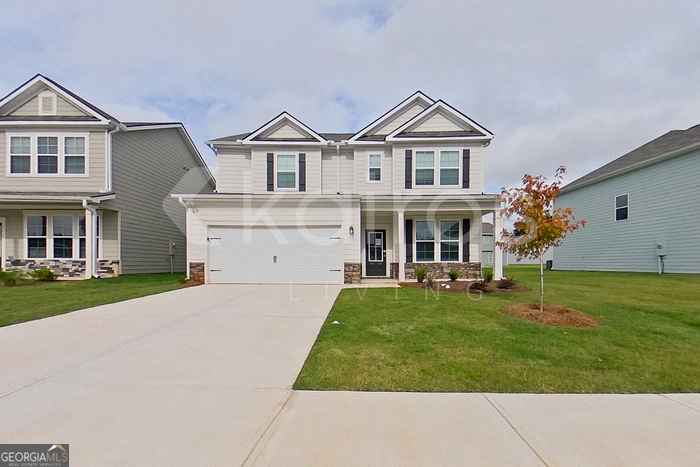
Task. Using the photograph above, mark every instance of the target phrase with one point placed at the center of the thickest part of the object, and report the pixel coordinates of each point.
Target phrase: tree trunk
(541, 285)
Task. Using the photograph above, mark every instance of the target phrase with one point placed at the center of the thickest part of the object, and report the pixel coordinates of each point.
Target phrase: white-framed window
(286, 171)
(48, 154)
(58, 236)
(622, 207)
(487, 239)
(490, 257)
(47, 103)
(445, 162)
(425, 241)
(449, 241)
(374, 163)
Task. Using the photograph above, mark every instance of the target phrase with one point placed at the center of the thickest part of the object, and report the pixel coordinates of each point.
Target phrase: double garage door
(308, 255)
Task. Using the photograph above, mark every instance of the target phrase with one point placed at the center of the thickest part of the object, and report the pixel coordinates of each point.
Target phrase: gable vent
(47, 103)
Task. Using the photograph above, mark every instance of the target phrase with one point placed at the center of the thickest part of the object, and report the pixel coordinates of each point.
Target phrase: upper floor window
(447, 162)
(48, 155)
(622, 207)
(286, 171)
(375, 167)
(487, 240)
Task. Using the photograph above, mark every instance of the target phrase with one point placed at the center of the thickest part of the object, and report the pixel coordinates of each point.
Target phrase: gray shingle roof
(664, 145)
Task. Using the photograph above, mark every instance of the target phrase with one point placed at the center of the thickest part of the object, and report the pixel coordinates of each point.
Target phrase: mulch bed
(463, 287)
(553, 315)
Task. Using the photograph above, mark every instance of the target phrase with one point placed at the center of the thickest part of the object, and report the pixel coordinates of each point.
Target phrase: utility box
(661, 248)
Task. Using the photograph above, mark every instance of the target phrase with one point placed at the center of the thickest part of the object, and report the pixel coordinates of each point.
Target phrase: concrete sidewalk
(203, 376)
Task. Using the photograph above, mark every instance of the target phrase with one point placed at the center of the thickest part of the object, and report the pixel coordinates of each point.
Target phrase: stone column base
(197, 273)
(353, 273)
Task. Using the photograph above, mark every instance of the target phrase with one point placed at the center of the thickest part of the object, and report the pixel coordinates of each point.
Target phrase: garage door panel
(260, 255)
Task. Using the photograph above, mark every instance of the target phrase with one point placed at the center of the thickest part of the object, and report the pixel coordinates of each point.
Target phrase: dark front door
(376, 253)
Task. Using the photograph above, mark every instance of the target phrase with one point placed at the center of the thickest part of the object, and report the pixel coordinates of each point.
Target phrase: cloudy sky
(574, 83)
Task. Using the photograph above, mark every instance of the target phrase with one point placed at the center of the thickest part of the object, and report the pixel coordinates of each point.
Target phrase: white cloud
(559, 83)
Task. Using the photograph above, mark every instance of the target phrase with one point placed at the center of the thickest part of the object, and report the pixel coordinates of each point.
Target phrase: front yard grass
(26, 303)
(399, 340)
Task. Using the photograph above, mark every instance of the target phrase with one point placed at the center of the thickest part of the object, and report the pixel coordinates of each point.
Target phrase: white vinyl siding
(664, 198)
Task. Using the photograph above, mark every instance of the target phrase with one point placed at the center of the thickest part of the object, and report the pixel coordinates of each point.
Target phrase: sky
(575, 83)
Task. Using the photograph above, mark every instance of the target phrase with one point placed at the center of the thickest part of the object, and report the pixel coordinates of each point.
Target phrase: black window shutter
(270, 171)
(409, 170)
(302, 172)
(409, 240)
(465, 240)
(465, 168)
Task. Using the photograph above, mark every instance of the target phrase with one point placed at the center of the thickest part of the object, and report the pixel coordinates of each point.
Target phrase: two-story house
(295, 205)
(86, 195)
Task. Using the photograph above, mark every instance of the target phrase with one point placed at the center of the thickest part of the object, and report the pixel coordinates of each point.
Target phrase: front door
(376, 253)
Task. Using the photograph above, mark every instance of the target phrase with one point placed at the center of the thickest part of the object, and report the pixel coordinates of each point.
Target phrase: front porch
(438, 234)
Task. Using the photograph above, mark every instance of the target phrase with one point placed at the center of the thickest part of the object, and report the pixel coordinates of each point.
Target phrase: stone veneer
(197, 273)
(63, 268)
(394, 270)
(442, 270)
(353, 273)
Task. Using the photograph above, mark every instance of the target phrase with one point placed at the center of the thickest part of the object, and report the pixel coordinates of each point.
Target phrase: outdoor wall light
(351, 230)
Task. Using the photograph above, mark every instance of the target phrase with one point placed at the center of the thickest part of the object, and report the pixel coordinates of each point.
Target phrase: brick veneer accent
(61, 267)
(394, 271)
(108, 268)
(353, 273)
(442, 270)
(197, 273)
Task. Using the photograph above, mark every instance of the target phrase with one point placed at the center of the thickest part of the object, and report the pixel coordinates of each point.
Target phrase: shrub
(9, 278)
(454, 275)
(507, 283)
(420, 274)
(44, 275)
(429, 282)
(488, 276)
(478, 285)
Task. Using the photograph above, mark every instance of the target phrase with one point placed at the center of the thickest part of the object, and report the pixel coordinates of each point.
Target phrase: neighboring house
(488, 248)
(642, 210)
(86, 195)
(295, 205)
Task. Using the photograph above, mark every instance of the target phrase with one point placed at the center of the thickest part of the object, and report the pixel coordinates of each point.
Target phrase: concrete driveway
(190, 377)
(203, 376)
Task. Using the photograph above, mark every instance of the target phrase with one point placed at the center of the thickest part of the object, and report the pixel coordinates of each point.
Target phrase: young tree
(539, 224)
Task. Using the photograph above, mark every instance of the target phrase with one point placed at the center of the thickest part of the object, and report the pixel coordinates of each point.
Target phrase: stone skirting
(353, 273)
(63, 268)
(108, 268)
(394, 271)
(442, 270)
(197, 273)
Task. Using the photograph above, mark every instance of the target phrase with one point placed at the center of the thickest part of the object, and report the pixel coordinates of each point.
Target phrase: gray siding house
(642, 210)
(86, 195)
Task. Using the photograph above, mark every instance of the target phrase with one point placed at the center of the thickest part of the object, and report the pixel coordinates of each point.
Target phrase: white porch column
(402, 248)
(497, 252)
(90, 230)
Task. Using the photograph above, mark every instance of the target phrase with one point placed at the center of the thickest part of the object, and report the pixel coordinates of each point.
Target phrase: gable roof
(673, 143)
(285, 119)
(30, 88)
(461, 125)
(416, 98)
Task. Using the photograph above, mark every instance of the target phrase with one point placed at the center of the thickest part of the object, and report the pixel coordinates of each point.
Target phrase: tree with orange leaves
(544, 226)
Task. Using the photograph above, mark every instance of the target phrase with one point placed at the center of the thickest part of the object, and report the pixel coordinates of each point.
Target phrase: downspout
(93, 239)
(187, 236)
(110, 154)
(337, 147)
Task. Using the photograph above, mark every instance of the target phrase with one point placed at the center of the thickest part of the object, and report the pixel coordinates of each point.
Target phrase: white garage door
(310, 255)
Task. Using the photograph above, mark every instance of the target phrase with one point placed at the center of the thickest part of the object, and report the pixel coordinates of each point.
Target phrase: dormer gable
(394, 118)
(440, 121)
(41, 98)
(284, 129)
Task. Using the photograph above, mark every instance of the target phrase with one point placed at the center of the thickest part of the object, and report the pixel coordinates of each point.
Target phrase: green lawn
(399, 340)
(25, 303)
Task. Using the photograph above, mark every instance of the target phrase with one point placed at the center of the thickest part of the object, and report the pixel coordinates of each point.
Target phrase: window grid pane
(449, 176)
(20, 164)
(285, 163)
(425, 251)
(425, 176)
(74, 145)
(621, 201)
(375, 160)
(425, 230)
(36, 226)
(449, 251)
(621, 214)
(75, 165)
(20, 145)
(449, 159)
(449, 230)
(48, 164)
(47, 145)
(285, 180)
(375, 174)
(36, 247)
(63, 248)
(62, 226)
(425, 159)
